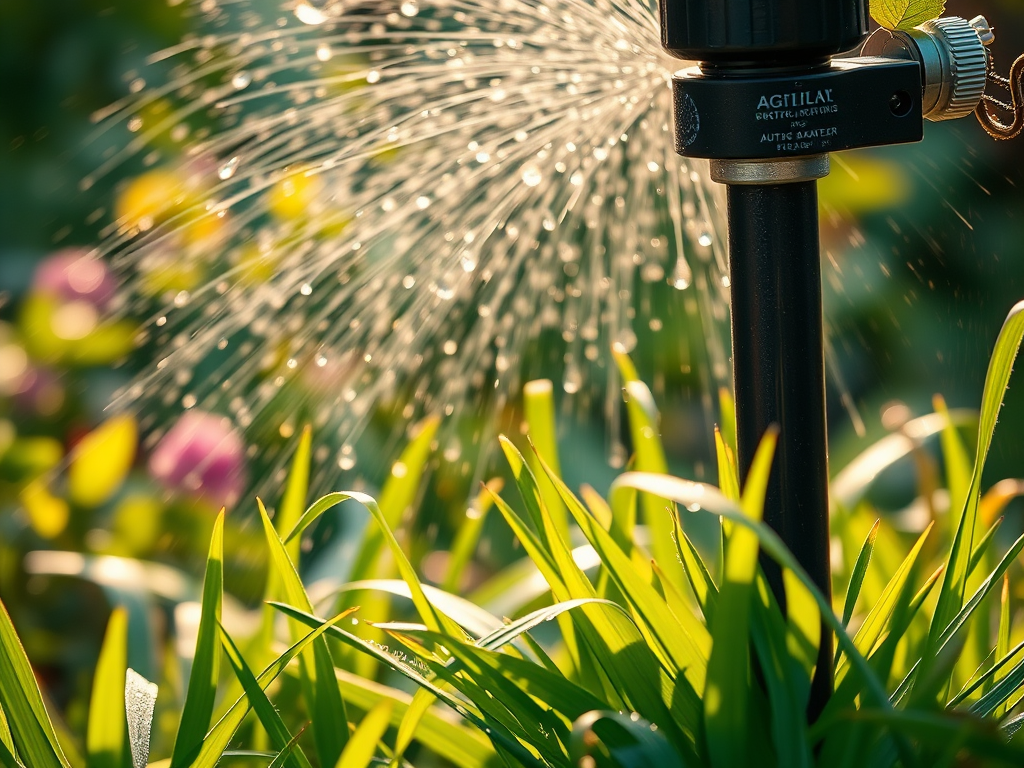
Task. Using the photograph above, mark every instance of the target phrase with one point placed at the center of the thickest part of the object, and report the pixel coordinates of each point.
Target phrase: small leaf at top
(905, 14)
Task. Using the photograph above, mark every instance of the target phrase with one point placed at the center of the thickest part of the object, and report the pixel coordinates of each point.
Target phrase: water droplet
(409, 8)
(241, 80)
(373, 76)
(323, 52)
(422, 202)
(682, 276)
(315, 12)
(227, 170)
(531, 175)
(704, 239)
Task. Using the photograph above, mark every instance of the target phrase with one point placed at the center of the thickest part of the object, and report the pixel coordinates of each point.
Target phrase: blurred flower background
(923, 249)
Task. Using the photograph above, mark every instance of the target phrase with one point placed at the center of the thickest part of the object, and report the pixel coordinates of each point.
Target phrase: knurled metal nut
(967, 62)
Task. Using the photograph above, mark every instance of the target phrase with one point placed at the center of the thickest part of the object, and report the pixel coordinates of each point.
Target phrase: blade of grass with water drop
(23, 704)
(139, 704)
(361, 747)
(642, 746)
(220, 735)
(465, 747)
(954, 585)
(542, 429)
(860, 569)
(202, 682)
(726, 692)
(105, 732)
(469, 712)
(323, 697)
(270, 719)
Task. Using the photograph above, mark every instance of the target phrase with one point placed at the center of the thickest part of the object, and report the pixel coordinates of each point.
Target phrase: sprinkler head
(953, 59)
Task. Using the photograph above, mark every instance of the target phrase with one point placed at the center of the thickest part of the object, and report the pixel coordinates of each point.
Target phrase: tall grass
(638, 648)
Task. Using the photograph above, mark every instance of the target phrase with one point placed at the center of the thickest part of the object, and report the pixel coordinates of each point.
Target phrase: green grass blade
(396, 496)
(727, 409)
(727, 689)
(104, 740)
(881, 612)
(616, 642)
(23, 704)
(7, 758)
(421, 702)
(202, 682)
(650, 457)
(697, 574)
(270, 719)
(683, 638)
(439, 730)
(317, 508)
(361, 747)
(984, 546)
(323, 697)
(984, 679)
(860, 569)
(295, 492)
(1003, 638)
(468, 536)
(627, 742)
(408, 670)
(954, 585)
(285, 754)
(699, 496)
(728, 473)
(957, 461)
(220, 735)
(539, 411)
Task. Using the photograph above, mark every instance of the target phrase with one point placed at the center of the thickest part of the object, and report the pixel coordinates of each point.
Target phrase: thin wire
(1014, 84)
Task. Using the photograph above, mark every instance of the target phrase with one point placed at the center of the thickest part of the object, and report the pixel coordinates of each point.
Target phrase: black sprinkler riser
(762, 32)
(853, 103)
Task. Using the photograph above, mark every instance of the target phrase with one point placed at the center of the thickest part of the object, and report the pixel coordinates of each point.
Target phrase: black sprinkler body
(768, 98)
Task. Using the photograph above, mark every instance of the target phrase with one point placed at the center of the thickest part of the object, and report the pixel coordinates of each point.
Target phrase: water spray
(770, 98)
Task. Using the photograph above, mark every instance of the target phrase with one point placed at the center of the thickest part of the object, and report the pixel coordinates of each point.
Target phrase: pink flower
(73, 274)
(202, 455)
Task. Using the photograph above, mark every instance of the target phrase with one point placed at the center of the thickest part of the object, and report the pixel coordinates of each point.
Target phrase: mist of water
(399, 199)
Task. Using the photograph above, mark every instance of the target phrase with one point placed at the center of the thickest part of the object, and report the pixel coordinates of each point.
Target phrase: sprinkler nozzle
(953, 58)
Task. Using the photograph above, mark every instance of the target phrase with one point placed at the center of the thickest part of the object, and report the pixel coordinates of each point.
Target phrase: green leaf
(1003, 639)
(438, 730)
(622, 651)
(699, 496)
(23, 704)
(905, 14)
(649, 456)
(361, 747)
(220, 736)
(285, 754)
(617, 739)
(468, 536)
(295, 492)
(539, 411)
(7, 758)
(104, 740)
(860, 569)
(323, 698)
(881, 612)
(954, 585)
(958, 464)
(202, 681)
(396, 496)
(268, 715)
(727, 689)
(682, 638)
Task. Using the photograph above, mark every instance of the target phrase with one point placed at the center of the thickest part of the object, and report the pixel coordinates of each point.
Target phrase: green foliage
(620, 664)
(905, 14)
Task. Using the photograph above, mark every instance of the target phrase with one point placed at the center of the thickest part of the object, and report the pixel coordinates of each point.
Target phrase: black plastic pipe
(779, 372)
